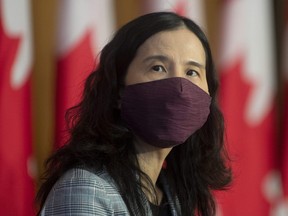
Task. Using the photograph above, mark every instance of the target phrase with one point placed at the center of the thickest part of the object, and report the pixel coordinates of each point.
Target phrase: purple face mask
(164, 113)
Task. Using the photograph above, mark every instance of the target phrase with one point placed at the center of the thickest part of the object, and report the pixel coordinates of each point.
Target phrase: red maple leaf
(16, 197)
(252, 147)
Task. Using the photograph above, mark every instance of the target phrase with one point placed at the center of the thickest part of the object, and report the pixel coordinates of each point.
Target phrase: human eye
(192, 73)
(158, 68)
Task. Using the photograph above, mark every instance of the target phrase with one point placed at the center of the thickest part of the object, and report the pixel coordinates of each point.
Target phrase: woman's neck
(151, 159)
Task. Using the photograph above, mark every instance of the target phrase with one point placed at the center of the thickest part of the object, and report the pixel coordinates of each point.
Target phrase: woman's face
(175, 53)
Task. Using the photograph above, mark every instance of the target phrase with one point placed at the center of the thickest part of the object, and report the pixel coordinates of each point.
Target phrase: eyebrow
(165, 59)
(156, 57)
(197, 64)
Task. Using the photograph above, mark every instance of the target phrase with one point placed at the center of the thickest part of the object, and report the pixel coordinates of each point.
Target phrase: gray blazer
(82, 192)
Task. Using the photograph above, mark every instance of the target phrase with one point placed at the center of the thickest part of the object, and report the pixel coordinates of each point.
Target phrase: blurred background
(47, 48)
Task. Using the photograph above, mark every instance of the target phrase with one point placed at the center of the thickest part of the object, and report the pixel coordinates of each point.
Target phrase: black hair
(98, 138)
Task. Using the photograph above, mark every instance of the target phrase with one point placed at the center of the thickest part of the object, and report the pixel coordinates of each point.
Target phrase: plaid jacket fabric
(81, 192)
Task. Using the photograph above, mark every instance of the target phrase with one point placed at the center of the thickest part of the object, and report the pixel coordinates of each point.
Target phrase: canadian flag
(190, 8)
(84, 27)
(16, 183)
(247, 98)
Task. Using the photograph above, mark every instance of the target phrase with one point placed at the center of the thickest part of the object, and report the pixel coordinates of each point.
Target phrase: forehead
(179, 41)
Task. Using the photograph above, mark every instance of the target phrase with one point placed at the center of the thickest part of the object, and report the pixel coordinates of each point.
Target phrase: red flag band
(83, 28)
(247, 99)
(16, 185)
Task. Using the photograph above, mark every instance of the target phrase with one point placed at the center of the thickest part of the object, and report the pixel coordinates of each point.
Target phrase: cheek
(203, 85)
(205, 88)
(134, 77)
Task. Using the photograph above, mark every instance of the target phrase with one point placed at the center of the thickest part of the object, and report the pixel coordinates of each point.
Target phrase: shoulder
(80, 191)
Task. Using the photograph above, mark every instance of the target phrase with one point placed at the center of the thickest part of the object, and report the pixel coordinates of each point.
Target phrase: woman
(147, 137)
